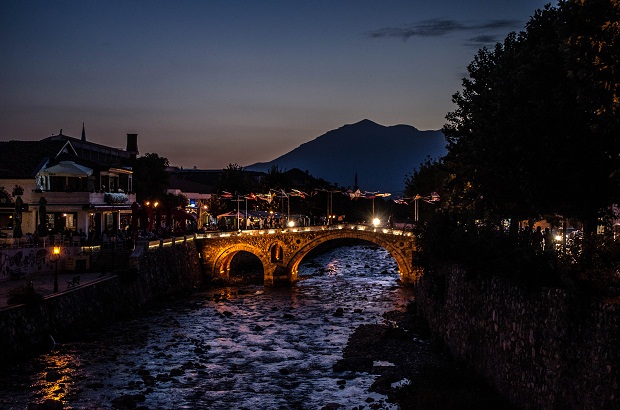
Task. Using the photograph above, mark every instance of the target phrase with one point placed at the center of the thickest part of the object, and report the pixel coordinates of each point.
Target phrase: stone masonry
(281, 251)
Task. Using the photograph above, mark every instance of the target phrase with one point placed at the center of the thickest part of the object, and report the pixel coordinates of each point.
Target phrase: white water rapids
(247, 347)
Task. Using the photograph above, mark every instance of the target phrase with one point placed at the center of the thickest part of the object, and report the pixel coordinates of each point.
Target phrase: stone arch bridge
(281, 250)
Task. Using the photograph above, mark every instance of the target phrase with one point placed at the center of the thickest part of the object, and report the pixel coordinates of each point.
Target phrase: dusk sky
(208, 83)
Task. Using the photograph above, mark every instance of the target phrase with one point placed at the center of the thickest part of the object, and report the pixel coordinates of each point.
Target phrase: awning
(67, 169)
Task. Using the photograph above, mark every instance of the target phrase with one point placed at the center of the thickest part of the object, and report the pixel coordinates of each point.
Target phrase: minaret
(355, 187)
(83, 133)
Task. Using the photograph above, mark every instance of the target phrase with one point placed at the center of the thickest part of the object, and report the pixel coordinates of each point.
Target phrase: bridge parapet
(281, 250)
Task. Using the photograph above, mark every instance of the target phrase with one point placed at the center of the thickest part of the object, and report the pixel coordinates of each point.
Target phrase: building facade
(65, 184)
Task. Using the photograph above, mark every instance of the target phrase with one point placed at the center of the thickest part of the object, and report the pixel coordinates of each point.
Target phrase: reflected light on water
(56, 381)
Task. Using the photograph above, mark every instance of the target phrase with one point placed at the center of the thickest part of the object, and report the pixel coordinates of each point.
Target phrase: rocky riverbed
(254, 347)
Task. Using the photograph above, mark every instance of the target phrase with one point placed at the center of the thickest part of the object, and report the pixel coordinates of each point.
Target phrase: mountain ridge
(381, 156)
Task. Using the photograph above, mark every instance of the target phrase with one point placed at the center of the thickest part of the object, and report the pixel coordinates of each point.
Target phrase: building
(83, 185)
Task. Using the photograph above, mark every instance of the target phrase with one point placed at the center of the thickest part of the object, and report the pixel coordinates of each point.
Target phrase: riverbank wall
(158, 270)
(542, 349)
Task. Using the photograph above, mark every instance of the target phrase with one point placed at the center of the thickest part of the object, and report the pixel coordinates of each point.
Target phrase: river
(245, 347)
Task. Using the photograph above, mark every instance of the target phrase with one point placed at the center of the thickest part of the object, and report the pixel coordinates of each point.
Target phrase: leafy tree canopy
(535, 130)
(150, 179)
(236, 180)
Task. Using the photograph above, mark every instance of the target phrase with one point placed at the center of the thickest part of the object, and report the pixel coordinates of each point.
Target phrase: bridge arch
(395, 248)
(221, 265)
(281, 251)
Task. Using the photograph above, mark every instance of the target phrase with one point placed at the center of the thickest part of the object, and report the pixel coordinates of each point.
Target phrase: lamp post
(54, 258)
(415, 199)
(238, 219)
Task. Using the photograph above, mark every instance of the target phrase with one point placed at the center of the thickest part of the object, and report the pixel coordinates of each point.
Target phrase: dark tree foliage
(170, 201)
(274, 180)
(150, 179)
(431, 176)
(217, 205)
(535, 130)
(235, 180)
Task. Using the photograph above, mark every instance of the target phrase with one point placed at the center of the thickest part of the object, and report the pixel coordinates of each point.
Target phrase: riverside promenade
(43, 283)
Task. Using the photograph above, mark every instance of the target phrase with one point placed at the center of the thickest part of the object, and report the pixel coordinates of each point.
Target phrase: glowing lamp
(376, 222)
(54, 258)
(291, 224)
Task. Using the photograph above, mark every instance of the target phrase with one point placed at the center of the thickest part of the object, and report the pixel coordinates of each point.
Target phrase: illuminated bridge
(281, 250)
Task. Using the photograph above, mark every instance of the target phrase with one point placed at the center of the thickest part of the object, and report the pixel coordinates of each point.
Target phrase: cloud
(483, 39)
(442, 27)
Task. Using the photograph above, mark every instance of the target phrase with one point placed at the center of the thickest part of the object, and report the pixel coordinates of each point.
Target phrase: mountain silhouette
(381, 156)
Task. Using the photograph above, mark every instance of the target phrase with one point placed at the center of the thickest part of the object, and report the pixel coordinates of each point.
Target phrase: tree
(274, 180)
(216, 206)
(150, 178)
(235, 180)
(431, 176)
(526, 138)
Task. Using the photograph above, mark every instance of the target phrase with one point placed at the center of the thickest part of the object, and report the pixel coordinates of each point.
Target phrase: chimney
(132, 145)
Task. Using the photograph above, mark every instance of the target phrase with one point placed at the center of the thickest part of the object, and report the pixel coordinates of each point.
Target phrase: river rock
(53, 375)
(49, 404)
(128, 401)
(176, 372)
(355, 364)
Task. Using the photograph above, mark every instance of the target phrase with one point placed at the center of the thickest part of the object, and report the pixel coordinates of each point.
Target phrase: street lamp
(55, 257)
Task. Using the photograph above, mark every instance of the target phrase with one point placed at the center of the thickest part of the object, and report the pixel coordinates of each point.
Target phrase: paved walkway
(43, 283)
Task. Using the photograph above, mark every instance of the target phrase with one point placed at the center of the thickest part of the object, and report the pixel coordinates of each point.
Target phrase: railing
(78, 197)
(157, 243)
(168, 242)
(317, 228)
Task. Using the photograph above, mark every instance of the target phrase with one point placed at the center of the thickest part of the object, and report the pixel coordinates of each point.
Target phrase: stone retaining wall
(163, 271)
(542, 349)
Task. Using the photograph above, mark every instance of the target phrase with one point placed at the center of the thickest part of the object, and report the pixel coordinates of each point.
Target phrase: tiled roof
(23, 159)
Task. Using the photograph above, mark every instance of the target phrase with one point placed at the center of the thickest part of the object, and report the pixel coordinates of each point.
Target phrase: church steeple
(83, 133)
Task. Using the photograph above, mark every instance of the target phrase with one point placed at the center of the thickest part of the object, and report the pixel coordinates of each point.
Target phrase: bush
(484, 251)
(24, 295)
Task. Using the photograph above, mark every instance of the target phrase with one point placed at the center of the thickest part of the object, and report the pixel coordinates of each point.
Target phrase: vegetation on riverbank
(534, 138)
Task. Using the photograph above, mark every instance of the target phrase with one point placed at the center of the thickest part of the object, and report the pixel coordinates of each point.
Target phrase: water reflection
(238, 347)
(57, 378)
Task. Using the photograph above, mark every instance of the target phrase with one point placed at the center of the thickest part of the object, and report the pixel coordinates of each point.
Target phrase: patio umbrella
(17, 218)
(42, 228)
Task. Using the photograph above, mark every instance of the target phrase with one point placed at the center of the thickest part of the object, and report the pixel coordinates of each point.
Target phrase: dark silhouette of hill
(381, 156)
